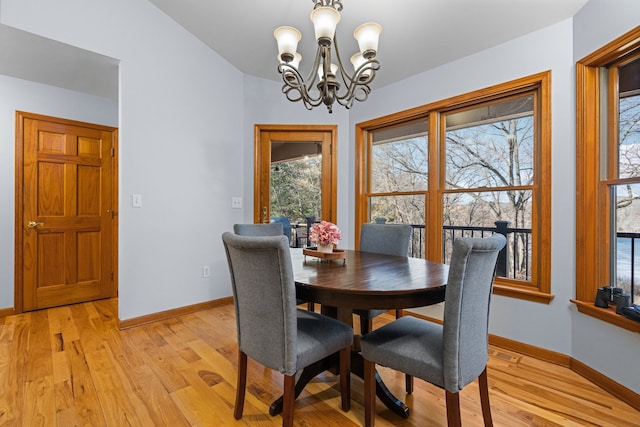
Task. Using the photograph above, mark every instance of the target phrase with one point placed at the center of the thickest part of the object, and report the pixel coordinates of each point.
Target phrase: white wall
(181, 144)
(606, 348)
(23, 95)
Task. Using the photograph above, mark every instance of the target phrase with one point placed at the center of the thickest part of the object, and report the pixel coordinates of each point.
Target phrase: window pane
(627, 242)
(407, 209)
(491, 146)
(296, 188)
(399, 165)
(479, 214)
(629, 137)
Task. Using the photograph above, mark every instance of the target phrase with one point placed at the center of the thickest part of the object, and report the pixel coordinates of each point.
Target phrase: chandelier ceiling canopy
(328, 81)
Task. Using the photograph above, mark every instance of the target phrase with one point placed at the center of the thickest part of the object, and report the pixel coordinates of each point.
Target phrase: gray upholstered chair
(286, 226)
(270, 229)
(271, 330)
(450, 355)
(389, 239)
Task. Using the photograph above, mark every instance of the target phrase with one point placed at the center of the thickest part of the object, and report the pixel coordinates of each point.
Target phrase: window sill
(607, 315)
(522, 293)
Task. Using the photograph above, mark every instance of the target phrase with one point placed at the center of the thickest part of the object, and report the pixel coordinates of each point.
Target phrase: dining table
(351, 280)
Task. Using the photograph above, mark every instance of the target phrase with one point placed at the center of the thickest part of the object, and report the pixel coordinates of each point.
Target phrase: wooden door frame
(18, 230)
(260, 153)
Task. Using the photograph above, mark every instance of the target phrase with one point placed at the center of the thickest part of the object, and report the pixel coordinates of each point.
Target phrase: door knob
(34, 224)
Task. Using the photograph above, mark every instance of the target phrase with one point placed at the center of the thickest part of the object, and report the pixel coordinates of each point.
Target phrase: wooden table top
(369, 281)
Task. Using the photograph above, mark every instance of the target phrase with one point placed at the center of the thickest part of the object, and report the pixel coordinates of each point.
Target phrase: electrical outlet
(206, 271)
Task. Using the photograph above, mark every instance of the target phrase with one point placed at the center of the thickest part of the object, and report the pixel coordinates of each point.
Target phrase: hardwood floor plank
(71, 366)
(83, 391)
(117, 398)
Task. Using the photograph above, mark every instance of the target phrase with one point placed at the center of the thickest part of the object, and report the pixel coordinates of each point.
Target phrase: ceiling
(417, 35)
(30, 57)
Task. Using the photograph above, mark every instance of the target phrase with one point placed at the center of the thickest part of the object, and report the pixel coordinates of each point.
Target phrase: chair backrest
(388, 239)
(286, 225)
(265, 299)
(270, 229)
(466, 310)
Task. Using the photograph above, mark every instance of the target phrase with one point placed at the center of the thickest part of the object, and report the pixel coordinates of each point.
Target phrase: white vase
(325, 248)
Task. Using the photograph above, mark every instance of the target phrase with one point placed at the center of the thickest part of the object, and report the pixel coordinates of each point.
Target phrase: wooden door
(65, 222)
(265, 135)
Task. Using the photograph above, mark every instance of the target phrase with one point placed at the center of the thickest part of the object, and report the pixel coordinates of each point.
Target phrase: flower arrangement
(325, 233)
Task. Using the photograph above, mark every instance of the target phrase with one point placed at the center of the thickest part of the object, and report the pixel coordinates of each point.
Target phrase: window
(482, 174)
(608, 175)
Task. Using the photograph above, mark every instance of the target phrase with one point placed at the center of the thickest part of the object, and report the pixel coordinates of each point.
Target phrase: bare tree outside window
(626, 228)
(490, 173)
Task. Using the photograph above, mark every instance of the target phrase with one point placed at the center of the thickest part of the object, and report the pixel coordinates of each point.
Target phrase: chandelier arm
(360, 85)
(343, 71)
(294, 87)
(313, 73)
(336, 4)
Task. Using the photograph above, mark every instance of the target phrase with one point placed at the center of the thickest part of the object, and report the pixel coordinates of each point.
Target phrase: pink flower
(325, 233)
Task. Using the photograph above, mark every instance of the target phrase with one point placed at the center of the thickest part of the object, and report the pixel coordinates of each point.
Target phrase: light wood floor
(71, 366)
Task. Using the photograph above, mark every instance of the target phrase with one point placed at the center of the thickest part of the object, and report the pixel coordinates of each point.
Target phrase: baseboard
(531, 350)
(621, 392)
(180, 311)
(4, 312)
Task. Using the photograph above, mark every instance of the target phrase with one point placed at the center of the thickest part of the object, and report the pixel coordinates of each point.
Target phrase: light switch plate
(136, 200)
(236, 202)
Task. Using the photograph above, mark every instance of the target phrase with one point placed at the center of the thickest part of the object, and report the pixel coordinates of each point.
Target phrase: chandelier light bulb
(325, 20)
(367, 36)
(358, 60)
(287, 38)
(334, 71)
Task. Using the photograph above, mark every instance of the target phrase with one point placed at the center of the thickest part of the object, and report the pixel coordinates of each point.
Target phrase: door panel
(67, 218)
(266, 135)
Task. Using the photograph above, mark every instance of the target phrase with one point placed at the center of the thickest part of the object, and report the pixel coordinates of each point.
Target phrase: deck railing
(625, 258)
(514, 261)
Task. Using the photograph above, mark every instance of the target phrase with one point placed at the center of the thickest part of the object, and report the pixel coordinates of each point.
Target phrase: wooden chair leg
(241, 385)
(345, 378)
(289, 398)
(453, 409)
(369, 393)
(484, 398)
(408, 383)
(311, 306)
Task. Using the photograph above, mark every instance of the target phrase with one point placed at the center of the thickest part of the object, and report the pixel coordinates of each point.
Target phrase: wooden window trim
(540, 288)
(592, 216)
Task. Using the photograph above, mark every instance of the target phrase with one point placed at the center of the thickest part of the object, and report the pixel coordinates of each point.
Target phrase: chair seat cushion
(319, 336)
(408, 345)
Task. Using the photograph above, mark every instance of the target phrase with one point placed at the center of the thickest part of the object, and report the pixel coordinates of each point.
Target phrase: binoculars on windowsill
(610, 295)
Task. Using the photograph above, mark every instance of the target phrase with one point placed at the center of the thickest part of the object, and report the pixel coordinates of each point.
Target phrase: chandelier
(327, 81)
